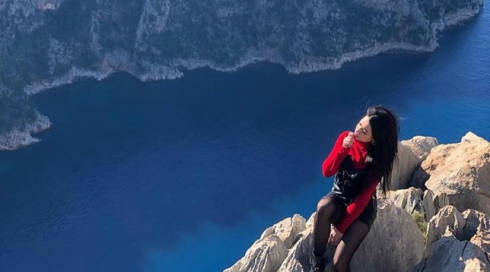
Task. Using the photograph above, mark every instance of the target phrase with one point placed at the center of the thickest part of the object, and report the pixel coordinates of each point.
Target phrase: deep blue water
(183, 175)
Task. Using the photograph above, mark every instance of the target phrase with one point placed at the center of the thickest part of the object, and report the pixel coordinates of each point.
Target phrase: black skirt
(368, 215)
(348, 184)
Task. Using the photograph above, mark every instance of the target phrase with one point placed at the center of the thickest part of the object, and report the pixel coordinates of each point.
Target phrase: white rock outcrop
(287, 229)
(21, 137)
(398, 253)
(457, 242)
(451, 255)
(411, 153)
(269, 252)
(460, 171)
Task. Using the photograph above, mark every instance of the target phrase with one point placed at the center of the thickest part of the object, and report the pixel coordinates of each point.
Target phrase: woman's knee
(326, 207)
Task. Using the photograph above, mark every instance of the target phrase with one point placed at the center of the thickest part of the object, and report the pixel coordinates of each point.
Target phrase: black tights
(329, 211)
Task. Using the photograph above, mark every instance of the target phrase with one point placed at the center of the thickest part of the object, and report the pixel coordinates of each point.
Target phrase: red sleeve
(356, 207)
(332, 163)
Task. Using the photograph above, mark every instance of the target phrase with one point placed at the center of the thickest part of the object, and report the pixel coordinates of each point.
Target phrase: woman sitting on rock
(360, 160)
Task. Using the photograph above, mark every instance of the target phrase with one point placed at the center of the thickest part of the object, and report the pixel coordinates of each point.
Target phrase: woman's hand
(335, 236)
(348, 141)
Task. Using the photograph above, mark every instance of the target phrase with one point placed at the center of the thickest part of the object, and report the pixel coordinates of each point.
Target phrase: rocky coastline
(146, 61)
(22, 136)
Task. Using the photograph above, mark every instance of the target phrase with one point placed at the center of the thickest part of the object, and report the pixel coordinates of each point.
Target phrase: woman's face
(363, 131)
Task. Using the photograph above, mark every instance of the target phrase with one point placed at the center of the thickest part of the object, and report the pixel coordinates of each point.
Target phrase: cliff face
(44, 43)
(50, 37)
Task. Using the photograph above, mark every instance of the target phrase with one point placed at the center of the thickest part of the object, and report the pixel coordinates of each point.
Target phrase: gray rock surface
(475, 221)
(461, 171)
(265, 255)
(411, 199)
(481, 239)
(269, 252)
(428, 203)
(455, 241)
(287, 229)
(421, 145)
(396, 237)
(462, 226)
(447, 219)
(414, 200)
(298, 257)
(451, 255)
(411, 153)
(398, 254)
(440, 200)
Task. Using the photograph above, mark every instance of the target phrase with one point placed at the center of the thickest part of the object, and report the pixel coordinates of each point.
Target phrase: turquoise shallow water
(164, 176)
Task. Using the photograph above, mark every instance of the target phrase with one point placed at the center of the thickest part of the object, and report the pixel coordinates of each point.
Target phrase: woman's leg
(328, 211)
(349, 244)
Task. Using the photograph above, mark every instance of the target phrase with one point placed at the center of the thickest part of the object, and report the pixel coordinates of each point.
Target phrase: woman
(360, 160)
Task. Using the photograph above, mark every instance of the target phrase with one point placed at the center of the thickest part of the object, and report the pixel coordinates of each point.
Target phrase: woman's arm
(332, 163)
(356, 207)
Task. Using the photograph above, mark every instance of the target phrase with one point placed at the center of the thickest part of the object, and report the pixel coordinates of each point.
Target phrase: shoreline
(22, 137)
(110, 64)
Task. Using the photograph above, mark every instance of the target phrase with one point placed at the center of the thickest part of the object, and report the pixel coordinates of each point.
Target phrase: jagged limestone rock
(299, 256)
(411, 153)
(311, 221)
(440, 200)
(447, 218)
(287, 229)
(461, 171)
(481, 239)
(428, 202)
(450, 255)
(395, 237)
(403, 168)
(421, 145)
(463, 226)
(475, 221)
(410, 199)
(265, 255)
(21, 136)
(414, 200)
(403, 251)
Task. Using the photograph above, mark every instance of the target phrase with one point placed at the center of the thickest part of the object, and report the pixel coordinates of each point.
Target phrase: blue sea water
(184, 175)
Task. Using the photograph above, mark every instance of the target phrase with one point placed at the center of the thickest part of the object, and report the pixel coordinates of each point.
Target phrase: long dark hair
(384, 148)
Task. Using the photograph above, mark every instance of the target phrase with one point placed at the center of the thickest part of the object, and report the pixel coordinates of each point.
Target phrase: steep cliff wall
(45, 43)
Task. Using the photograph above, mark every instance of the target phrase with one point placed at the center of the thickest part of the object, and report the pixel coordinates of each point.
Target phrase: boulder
(414, 200)
(411, 199)
(440, 200)
(461, 171)
(394, 243)
(287, 229)
(428, 203)
(421, 146)
(265, 255)
(475, 221)
(451, 255)
(448, 219)
(462, 226)
(298, 259)
(481, 239)
(411, 153)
